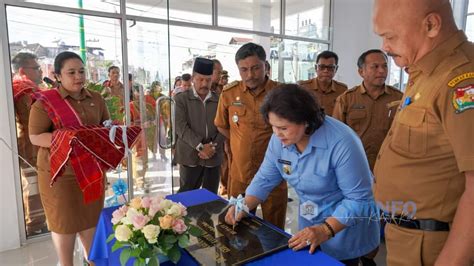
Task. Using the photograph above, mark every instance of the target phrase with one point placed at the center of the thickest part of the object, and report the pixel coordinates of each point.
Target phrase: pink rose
(179, 226)
(118, 214)
(155, 206)
(166, 222)
(146, 202)
(184, 212)
(153, 210)
(139, 221)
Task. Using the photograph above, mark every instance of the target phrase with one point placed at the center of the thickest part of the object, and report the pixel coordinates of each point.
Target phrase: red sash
(87, 148)
(21, 86)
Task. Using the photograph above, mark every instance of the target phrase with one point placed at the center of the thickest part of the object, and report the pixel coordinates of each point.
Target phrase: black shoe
(290, 200)
(367, 262)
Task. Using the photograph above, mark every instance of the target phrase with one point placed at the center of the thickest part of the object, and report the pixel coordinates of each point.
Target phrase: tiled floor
(43, 253)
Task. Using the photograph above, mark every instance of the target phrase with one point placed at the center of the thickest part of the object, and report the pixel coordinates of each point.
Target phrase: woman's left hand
(311, 235)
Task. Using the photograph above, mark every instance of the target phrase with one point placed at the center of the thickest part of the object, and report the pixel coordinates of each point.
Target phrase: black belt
(420, 224)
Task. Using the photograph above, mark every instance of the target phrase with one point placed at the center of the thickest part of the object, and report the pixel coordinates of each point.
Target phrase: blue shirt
(332, 174)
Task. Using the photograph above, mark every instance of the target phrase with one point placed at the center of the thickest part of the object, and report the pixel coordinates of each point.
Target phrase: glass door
(151, 108)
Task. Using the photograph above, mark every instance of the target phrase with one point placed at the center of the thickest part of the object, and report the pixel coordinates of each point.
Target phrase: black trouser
(194, 177)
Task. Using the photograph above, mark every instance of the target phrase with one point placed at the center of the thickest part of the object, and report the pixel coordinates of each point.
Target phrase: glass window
(296, 59)
(29, 31)
(470, 26)
(253, 15)
(196, 11)
(308, 18)
(112, 6)
(189, 43)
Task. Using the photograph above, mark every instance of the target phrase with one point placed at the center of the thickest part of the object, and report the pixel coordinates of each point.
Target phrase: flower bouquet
(150, 226)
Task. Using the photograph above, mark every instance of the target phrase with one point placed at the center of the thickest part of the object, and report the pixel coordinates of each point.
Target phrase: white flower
(123, 233)
(165, 204)
(174, 210)
(151, 233)
(131, 213)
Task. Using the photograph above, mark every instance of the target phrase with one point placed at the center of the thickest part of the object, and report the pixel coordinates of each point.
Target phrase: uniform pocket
(355, 118)
(410, 132)
(236, 115)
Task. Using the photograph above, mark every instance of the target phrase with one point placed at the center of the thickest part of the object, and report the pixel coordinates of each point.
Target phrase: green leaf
(170, 239)
(183, 241)
(111, 237)
(174, 255)
(135, 252)
(153, 261)
(124, 256)
(138, 262)
(146, 253)
(142, 241)
(117, 245)
(194, 231)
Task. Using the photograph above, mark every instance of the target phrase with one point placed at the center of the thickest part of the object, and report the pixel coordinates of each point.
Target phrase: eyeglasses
(37, 68)
(322, 67)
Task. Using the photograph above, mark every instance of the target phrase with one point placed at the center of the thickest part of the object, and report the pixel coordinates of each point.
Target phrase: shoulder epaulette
(230, 85)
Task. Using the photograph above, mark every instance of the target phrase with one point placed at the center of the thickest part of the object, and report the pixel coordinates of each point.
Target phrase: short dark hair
(63, 57)
(112, 68)
(21, 59)
(327, 55)
(215, 62)
(186, 77)
(295, 104)
(250, 49)
(361, 60)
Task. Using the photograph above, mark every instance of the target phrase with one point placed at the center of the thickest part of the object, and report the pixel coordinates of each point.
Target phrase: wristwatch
(200, 147)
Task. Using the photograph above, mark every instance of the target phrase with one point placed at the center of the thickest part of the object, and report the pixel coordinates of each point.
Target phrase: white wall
(9, 225)
(353, 34)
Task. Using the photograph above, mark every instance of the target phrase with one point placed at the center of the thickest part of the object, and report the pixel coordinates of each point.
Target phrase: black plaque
(222, 245)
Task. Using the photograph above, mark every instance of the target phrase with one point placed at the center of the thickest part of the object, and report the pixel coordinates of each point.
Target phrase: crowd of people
(351, 154)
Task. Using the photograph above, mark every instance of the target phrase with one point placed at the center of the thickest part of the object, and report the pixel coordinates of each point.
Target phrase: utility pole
(82, 47)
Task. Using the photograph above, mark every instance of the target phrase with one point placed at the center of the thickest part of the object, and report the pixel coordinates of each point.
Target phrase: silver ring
(308, 242)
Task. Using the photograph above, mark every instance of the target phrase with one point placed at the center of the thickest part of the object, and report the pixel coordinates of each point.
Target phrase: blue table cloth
(101, 251)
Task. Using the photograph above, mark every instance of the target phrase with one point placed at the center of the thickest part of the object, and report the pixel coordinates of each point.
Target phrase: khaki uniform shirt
(239, 111)
(430, 145)
(369, 118)
(22, 112)
(326, 98)
(90, 107)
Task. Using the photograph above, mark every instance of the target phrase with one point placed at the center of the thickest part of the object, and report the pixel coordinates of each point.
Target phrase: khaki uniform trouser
(411, 247)
(139, 169)
(274, 208)
(35, 218)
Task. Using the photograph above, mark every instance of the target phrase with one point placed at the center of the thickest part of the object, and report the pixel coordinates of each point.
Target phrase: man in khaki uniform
(370, 107)
(27, 78)
(324, 87)
(239, 119)
(425, 168)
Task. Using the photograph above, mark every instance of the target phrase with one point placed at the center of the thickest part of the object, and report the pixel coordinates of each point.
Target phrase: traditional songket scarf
(87, 148)
(22, 86)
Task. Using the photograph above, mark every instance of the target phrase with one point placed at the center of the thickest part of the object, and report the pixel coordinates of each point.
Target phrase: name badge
(309, 210)
(237, 103)
(284, 161)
